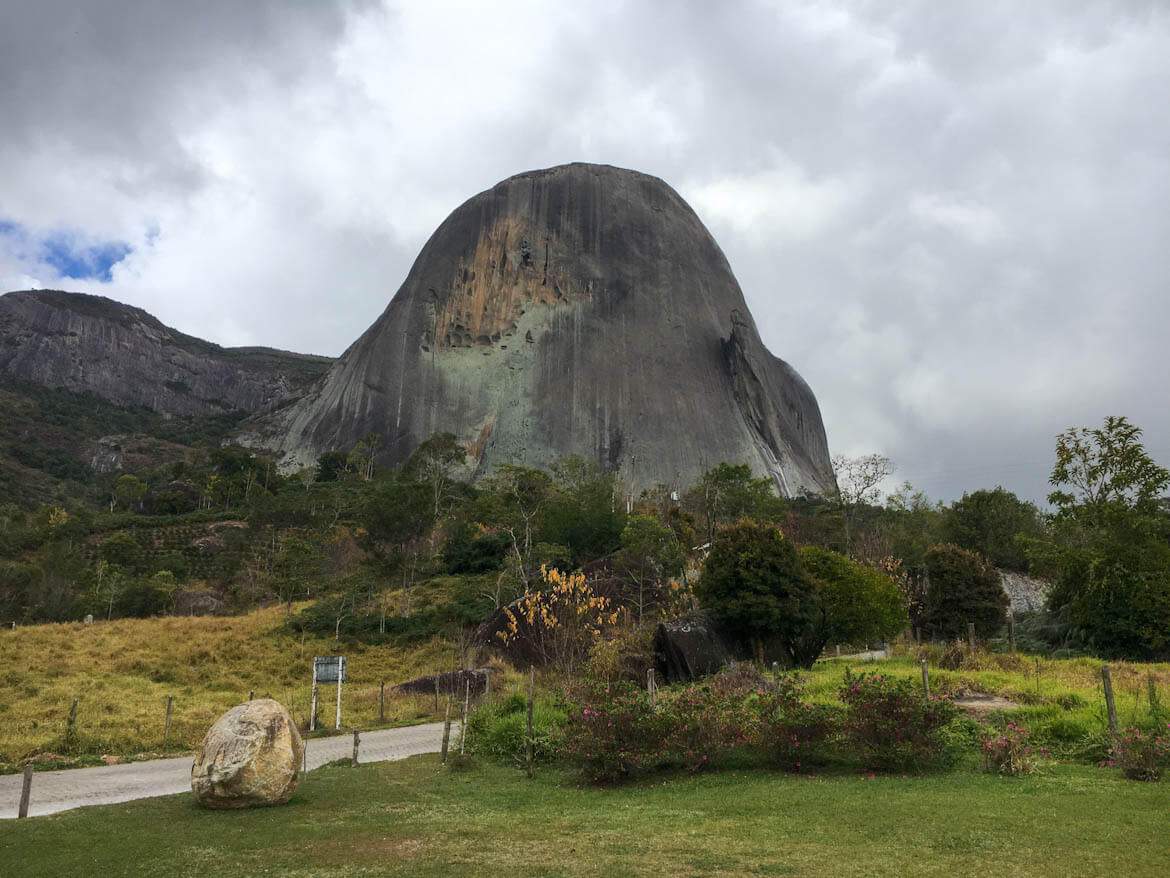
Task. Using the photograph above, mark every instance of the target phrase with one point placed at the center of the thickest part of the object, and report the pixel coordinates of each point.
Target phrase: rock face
(251, 756)
(689, 649)
(582, 309)
(122, 354)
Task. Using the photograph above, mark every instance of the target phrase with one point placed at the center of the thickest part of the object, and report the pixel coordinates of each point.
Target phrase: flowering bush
(890, 725)
(1009, 752)
(612, 732)
(792, 732)
(704, 721)
(1141, 755)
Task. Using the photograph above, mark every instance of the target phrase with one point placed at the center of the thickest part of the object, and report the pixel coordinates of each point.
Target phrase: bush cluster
(1141, 755)
(614, 731)
(1010, 752)
(498, 730)
(890, 725)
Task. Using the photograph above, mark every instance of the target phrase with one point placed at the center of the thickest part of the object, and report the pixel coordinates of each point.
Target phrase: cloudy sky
(952, 218)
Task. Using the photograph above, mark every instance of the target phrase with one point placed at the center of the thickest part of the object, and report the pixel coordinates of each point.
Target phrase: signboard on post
(327, 669)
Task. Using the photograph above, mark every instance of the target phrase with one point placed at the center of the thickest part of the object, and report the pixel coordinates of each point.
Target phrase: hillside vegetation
(122, 671)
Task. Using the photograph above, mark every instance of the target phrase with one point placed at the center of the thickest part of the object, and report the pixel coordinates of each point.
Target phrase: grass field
(416, 818)
(1061, 701)
(122, 672)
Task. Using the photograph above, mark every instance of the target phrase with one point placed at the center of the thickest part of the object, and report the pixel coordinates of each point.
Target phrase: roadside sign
(329, 668)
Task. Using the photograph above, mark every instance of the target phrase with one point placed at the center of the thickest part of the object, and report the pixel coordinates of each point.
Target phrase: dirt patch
(980, 704)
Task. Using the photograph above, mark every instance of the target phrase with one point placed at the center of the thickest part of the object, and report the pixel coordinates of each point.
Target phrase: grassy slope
(1060, 699)
(123, 670)
(412, 818)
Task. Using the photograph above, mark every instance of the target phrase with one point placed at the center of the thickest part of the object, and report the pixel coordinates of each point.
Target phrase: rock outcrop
(251, 756)
(582, 309)
(90, 344)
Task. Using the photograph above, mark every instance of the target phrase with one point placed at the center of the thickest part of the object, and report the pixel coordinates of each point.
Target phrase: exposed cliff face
(122, 354)
(582, 309)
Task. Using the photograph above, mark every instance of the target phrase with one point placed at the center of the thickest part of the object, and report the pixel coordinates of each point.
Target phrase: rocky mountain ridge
(122, 354)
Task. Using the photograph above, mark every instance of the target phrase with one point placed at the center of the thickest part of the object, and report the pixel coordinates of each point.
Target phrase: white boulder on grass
(250, 756)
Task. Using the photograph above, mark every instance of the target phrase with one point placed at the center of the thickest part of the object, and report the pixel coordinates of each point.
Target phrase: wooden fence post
(925, 678)
(25, 791)
(356, 741)
(463, 719)
(1110, 706)
(251, 694)
(313, 705)
(1011, 620)
(382, 702)
(446, 731)
(971, 637)
(1152, 694)
(530, 750)
(71, 723)
(652, 688)
(167, 724)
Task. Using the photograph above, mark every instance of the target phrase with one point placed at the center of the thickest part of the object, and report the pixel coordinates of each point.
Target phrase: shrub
(858, 604)
(705, 721)
(1141, 755)
(1009, 752)
(792, 732)
(961, 588)
(754, 584)
(613, 732)
(890, 725)
(498, 730)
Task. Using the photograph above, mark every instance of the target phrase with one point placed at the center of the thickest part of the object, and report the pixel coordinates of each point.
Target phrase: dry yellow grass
(122, 671)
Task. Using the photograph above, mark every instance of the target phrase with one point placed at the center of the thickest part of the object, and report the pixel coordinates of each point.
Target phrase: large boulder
(250, 756)
(689, 648)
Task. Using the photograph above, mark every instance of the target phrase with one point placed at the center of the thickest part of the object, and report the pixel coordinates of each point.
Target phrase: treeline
(417, 550)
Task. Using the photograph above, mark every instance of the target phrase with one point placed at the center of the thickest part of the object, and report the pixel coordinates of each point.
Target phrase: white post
(313, 707)
(340, 677)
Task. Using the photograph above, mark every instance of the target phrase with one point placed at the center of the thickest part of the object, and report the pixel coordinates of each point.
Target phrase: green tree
(1105, 471)
(755, 586)
(859, 481)
(332, 465)
(729, 492)
(1108, 550)
(962, 587)
(434, 464)
(586, 517)
(856, 604)
(992, 523)
(128, 493)
(649, 558)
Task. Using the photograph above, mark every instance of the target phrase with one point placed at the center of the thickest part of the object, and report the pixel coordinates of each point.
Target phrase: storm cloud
(953, 219)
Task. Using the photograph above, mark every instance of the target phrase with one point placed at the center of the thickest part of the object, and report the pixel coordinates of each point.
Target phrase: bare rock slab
(251, 756)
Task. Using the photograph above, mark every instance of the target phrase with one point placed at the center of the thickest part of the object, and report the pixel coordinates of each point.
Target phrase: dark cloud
(950, 217)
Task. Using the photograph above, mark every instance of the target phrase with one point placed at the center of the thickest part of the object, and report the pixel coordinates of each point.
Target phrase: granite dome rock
(583, 309)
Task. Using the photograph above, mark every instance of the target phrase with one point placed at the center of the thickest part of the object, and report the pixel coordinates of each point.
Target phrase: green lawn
(415, 818)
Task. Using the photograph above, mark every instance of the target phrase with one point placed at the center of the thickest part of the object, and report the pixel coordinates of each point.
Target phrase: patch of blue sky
(71, 254)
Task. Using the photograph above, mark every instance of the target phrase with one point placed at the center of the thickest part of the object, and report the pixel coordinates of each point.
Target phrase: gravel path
(54, 791)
